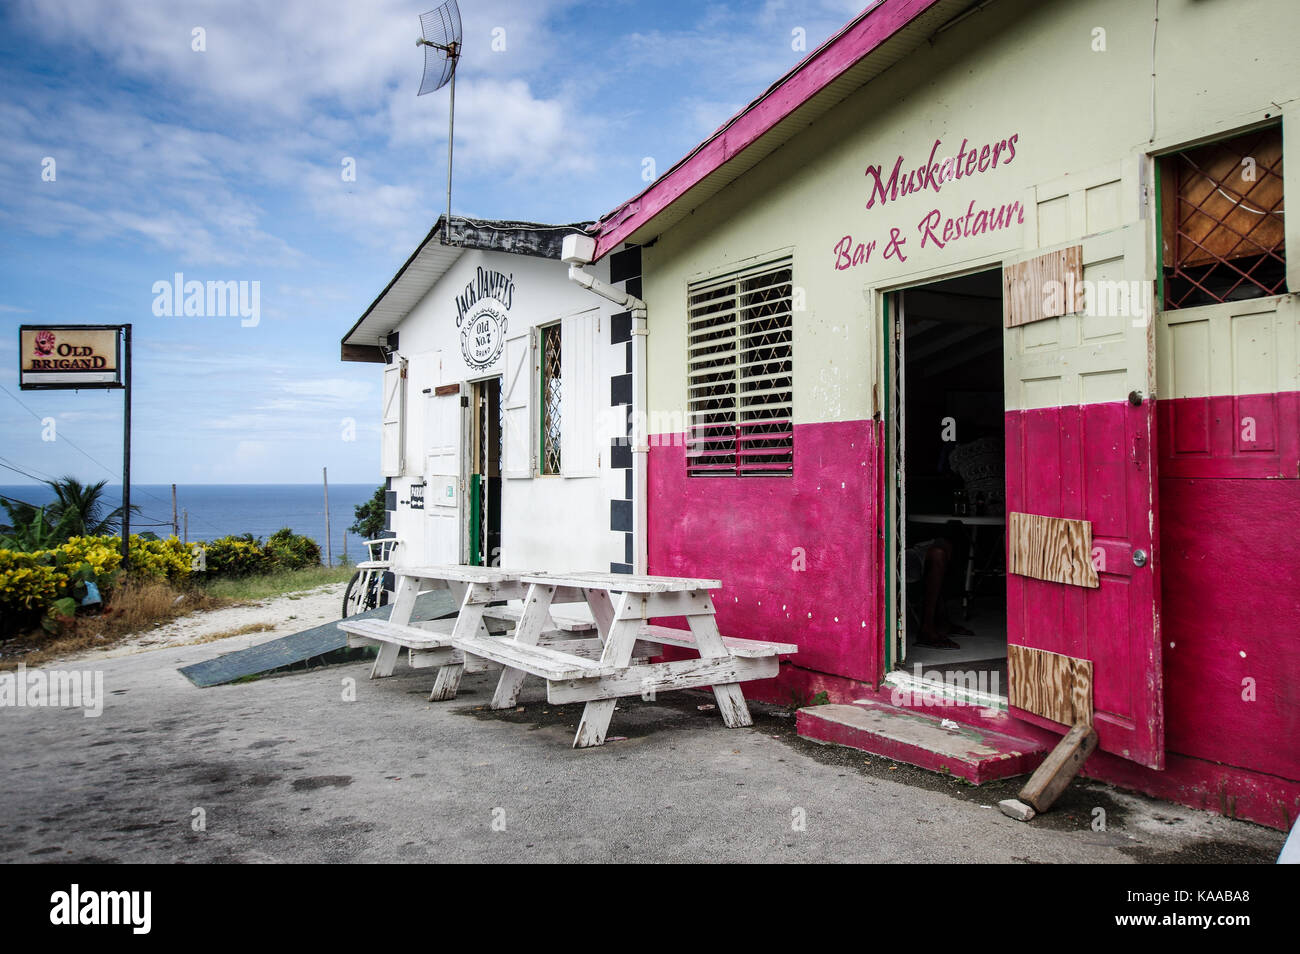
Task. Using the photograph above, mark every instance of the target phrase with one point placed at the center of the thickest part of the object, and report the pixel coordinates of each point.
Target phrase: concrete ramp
(301, 647)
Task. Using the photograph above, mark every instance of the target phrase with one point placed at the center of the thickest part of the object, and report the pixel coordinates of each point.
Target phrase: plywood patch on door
(1051, 548)
(1047, 286)
(1050, 685)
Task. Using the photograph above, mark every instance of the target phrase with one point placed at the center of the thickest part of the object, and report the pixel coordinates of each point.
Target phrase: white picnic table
(545, 641)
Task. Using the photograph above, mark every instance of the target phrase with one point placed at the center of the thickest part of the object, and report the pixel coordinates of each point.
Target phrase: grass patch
(276, 584)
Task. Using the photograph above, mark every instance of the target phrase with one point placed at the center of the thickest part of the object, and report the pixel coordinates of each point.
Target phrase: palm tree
(30, 528)
(83, 507)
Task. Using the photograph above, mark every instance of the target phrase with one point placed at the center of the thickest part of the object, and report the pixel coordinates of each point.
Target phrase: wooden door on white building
(444, 424)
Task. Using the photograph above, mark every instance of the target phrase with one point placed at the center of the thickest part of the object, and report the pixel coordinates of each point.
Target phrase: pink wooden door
(1080, 446)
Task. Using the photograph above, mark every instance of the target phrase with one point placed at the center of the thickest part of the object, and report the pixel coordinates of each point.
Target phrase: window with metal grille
(740, 373)
(1222, 229)
(550, 403)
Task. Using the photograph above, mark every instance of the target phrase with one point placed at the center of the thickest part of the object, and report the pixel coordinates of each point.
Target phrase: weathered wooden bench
(545, 642)
(429, 644)
(621, 606)
(569, 622)
(474, 587)
(744, 648)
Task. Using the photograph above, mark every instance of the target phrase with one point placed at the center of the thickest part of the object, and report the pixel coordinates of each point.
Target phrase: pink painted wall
(1231, 435)
(749, 531)
(1231, 586)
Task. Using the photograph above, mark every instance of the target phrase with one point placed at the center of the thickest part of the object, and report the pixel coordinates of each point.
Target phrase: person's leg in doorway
(936, 628)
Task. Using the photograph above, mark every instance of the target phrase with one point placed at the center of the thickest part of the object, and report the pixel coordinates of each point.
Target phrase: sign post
(126, 453)
(72, 357)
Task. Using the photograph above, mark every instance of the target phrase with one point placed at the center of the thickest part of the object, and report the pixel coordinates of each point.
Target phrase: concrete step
(904, 735)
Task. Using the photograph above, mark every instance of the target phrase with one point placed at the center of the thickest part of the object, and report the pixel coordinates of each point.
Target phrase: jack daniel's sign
(482, 311)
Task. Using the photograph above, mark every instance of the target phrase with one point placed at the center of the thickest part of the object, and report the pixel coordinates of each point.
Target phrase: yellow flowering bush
(31, 584)
(42, 585)
(232, 556)
(26, 584)
(167, 558)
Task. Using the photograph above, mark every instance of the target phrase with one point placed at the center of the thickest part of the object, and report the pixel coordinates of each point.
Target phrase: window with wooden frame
(551, 399)
(740, 374)
(1222, 223)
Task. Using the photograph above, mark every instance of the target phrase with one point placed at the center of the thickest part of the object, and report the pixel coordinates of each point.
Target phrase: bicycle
(366, 591)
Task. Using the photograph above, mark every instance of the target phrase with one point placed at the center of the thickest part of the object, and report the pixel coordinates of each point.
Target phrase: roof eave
(508, 237)
(858, 40)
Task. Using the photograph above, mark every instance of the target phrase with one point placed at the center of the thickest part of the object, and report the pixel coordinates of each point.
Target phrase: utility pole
(187, 527)
(176, 532)
(329, 553)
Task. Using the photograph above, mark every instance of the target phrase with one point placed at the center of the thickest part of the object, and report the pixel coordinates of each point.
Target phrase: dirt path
(249, 623)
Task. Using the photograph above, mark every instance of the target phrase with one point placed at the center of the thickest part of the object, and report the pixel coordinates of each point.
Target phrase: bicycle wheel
(354, 596)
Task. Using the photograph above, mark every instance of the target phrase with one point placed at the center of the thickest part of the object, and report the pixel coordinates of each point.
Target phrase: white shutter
(578, 448)
(394, 400)
(516, 388)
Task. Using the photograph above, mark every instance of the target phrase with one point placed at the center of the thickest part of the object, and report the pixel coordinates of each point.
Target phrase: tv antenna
(441, 39)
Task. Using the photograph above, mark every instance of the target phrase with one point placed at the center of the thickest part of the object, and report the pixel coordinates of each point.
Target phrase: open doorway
(949, 487)
(484, 473)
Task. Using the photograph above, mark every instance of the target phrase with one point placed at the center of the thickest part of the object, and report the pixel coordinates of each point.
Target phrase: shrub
(286, 550)
(47, 586)
(44, 585)
(233, 556)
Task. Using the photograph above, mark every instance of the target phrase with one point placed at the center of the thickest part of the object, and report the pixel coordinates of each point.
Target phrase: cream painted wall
(1080, 170)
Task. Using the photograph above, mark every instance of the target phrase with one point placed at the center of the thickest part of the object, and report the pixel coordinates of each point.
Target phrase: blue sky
(225, 164)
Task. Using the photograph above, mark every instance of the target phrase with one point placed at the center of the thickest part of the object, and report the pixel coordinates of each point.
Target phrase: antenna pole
(454, 53)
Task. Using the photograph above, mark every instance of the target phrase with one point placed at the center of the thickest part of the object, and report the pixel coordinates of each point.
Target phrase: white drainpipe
(578, 251)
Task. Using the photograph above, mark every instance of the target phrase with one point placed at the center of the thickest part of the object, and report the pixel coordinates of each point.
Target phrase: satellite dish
(441, 38)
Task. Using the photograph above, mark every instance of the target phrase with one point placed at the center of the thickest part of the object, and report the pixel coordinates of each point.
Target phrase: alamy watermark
(53, 689)
(968, 687)
(127, 908)
(1100, 299)
(194, 299)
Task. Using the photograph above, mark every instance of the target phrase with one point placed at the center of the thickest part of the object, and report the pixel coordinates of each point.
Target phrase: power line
(105, 468)
(19, 470)
(69, 441)
(46, 480)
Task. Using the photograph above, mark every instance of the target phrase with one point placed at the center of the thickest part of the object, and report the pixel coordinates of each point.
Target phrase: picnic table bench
(545, 642)
(429, 644)
(621, 607)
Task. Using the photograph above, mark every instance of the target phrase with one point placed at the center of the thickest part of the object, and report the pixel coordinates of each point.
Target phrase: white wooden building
(505, 398)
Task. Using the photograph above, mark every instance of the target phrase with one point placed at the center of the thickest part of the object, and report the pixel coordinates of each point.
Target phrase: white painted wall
(548, 523)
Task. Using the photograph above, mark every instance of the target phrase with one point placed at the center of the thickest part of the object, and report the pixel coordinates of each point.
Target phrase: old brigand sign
(70, 356)
(481, 314)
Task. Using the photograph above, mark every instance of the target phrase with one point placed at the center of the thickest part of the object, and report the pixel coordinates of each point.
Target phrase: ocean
(216, 510)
